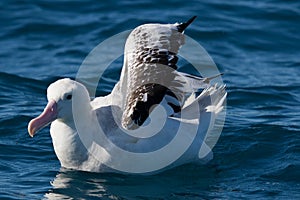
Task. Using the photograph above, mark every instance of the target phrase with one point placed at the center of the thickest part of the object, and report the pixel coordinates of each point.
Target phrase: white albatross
(147, 108)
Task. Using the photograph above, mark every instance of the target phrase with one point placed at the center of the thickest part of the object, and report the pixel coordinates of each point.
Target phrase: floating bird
(135, 128)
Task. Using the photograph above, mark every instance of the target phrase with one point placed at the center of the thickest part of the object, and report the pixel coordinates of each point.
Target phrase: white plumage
(140, 115)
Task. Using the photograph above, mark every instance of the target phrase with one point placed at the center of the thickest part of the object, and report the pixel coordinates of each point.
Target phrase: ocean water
(256, 44)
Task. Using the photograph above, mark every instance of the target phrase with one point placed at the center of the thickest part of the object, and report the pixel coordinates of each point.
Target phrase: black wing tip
(181, 27)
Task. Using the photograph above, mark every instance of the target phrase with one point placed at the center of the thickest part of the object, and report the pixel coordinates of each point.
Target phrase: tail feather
(211, 100)
(185, 87)
(217, 101)
(196, 82)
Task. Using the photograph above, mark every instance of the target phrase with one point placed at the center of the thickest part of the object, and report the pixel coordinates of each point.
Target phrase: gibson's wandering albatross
(149, 81)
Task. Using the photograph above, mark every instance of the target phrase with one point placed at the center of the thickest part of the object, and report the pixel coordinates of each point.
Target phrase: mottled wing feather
(149, 69)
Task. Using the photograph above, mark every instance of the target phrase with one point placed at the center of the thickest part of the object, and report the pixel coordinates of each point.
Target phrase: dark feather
(181, 27)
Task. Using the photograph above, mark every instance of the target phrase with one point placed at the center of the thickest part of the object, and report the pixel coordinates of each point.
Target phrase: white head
(61, 95)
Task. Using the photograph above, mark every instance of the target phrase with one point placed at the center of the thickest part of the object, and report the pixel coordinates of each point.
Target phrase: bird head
(61, 96)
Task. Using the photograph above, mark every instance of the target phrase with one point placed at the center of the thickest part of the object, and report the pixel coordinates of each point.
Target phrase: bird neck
(66, 136)
(67, 145)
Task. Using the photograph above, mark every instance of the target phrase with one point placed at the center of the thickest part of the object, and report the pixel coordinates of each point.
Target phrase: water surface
(255, 44)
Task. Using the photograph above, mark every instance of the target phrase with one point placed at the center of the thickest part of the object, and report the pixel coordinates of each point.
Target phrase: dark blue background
(255, 43)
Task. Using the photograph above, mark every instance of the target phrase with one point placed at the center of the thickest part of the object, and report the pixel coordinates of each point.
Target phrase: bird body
(152, 115)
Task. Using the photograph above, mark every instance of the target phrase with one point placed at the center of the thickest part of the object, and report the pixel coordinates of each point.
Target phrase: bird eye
(69, 97)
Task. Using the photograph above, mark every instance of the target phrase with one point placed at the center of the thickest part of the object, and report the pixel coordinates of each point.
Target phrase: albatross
(134, 128)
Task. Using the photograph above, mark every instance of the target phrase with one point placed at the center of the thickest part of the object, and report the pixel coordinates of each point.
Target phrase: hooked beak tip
(31, 129)
(49, 114)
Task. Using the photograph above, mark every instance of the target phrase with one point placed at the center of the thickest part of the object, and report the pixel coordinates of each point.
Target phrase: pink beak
(48, 115)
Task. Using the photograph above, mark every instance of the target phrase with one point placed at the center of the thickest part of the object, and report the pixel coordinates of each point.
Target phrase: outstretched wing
(149, 69)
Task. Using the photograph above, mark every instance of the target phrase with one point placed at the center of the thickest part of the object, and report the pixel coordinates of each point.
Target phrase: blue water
(255, 43)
